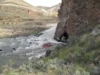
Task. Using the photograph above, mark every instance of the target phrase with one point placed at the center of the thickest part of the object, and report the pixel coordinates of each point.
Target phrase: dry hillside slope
(18, 18)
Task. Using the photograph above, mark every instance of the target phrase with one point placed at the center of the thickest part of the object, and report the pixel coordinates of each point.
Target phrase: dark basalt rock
(48, 52)
(1, 50)
(38, 34)
(14, 49)
(77, 16)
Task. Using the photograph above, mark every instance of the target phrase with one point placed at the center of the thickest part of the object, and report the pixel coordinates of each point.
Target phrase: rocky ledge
(77, 17)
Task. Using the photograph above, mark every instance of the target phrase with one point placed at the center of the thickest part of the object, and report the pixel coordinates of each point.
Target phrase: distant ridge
(12, 7)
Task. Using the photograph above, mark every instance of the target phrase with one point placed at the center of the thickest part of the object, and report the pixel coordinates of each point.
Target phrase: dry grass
(20, 18)
(23, 29)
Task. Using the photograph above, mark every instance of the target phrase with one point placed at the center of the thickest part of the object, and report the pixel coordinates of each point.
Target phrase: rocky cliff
(77, 17)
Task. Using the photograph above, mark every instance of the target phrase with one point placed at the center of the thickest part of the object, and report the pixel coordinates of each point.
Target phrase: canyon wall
(77, 16)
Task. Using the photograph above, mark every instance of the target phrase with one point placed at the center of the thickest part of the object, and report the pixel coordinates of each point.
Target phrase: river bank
(23, 48)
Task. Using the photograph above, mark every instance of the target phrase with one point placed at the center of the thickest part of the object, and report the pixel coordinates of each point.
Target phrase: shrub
(40, 23)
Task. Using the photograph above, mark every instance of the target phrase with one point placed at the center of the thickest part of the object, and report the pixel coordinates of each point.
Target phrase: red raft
(46, 45)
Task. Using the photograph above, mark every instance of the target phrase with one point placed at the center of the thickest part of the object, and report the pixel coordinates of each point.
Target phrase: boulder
(1, 50)
(76, 16)
(48, 52)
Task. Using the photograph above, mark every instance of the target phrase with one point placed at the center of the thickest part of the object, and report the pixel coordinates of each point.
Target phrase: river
(23, 48)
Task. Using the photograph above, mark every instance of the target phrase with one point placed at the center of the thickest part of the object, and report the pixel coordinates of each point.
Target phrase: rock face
(76, 16)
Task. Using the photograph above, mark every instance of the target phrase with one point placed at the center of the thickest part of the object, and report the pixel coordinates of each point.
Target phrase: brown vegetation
(20, 18)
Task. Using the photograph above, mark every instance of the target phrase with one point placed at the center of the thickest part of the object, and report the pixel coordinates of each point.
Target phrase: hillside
(51, 11)
(78, 31)
(27, 11)
(16, 16)
(55, 8)
(17, 2)
(19, 5)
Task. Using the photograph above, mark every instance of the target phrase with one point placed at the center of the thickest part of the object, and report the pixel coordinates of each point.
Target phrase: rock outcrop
(77, 16)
